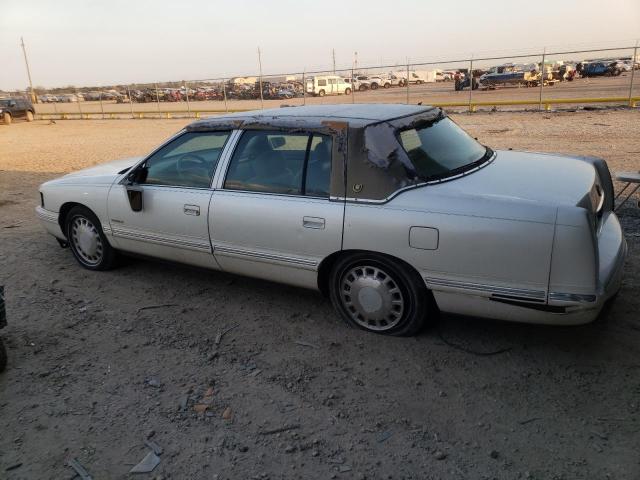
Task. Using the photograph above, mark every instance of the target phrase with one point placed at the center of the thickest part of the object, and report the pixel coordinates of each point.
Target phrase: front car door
(175, 184)
(272, 216)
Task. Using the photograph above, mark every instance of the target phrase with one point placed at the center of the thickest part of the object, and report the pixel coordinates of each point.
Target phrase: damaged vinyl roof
(312, 115)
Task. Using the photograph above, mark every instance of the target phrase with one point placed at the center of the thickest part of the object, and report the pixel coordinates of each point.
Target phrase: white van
(422, 76)
(328, 85)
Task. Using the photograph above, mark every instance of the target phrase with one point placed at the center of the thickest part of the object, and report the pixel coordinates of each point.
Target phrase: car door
(173, 189)
(272, 216)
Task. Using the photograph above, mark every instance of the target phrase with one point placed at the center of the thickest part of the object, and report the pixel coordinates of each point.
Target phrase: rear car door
(174, 184)
(272, 216)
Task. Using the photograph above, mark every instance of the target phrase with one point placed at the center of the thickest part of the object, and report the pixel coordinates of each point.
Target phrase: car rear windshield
(440, 149)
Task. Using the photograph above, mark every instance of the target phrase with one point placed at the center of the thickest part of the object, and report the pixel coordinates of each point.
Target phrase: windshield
(441, 148)
(4, 102)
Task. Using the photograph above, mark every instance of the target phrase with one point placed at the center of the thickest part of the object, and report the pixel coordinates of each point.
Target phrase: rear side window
(322, 83)
(281, 163)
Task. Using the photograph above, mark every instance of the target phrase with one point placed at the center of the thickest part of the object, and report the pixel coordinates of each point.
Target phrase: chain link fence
(543, 81)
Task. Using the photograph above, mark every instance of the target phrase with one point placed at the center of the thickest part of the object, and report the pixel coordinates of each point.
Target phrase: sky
(87, 42)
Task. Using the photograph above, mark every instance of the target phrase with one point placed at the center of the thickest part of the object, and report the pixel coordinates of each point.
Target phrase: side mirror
(134, 194)
(138, 176)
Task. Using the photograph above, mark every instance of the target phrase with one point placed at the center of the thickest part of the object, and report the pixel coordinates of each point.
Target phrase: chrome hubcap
(86, 240)
(372, 298)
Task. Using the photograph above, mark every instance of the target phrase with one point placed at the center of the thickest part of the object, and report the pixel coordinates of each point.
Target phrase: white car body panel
(508, 241)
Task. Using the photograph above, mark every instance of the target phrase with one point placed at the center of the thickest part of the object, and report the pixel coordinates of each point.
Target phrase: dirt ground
(99, 362)
(441, 92)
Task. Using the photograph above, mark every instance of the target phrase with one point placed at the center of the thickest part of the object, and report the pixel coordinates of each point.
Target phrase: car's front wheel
(380, 294)
(6, 118)
(87, 240)
(29, 116)
(347, 91)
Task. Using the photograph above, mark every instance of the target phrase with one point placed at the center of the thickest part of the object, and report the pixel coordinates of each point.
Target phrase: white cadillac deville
(392, 211)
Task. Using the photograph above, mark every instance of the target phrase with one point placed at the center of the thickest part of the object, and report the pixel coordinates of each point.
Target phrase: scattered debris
(148, 463)
(223, 333)
(153, 382)
(80, 470)
(13, 467)
(384, 437)
(150, 307)
(529, 420)
(227, 414)
(157, 449)
(344, 468)
(440, 455)
(494, 454)
(306, 344)
(280, 429)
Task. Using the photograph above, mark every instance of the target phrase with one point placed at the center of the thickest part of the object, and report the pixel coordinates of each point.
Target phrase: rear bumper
(560, 308)
(49, 221)
(612, 252)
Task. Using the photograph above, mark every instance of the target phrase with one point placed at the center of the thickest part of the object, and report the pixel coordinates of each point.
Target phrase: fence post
(471, 108)
(186, 92)
(130, 101)
(542, 75)
(79, 107)
(304, 87)
(406, 81)
(260, 67)
(633, 70)
(157, 97)
(353, 87)
(224, 94)
(101, 105)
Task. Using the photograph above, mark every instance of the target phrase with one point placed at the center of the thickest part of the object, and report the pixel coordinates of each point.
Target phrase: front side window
(188, 161)
(282, 163)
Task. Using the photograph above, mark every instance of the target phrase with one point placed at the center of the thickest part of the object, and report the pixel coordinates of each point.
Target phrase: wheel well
(64, 211)
(324, 269)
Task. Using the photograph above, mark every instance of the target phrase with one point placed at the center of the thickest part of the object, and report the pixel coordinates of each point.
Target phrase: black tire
(374, 86)
(3, 356)
(347, 91)
(362, 88)
(105, 256)
(387, 85)
(29, 116)
(321, 93)
(6, 117)
(394, 279)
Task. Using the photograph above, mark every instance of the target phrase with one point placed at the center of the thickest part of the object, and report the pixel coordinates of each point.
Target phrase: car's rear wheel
(87, 240)
(321, 93)
(347, 91)
(29, 116)
(6, 118)
(380, 294)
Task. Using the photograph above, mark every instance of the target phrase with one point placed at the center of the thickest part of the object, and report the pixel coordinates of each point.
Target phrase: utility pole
(355, 62)
(26, 62)
(333, 55)
(260, 67)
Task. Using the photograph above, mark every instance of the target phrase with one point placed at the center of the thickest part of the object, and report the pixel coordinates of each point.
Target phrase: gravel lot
(289, 391)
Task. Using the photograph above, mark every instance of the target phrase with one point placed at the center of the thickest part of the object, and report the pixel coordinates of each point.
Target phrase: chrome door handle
(313, 222)
(192, 210)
